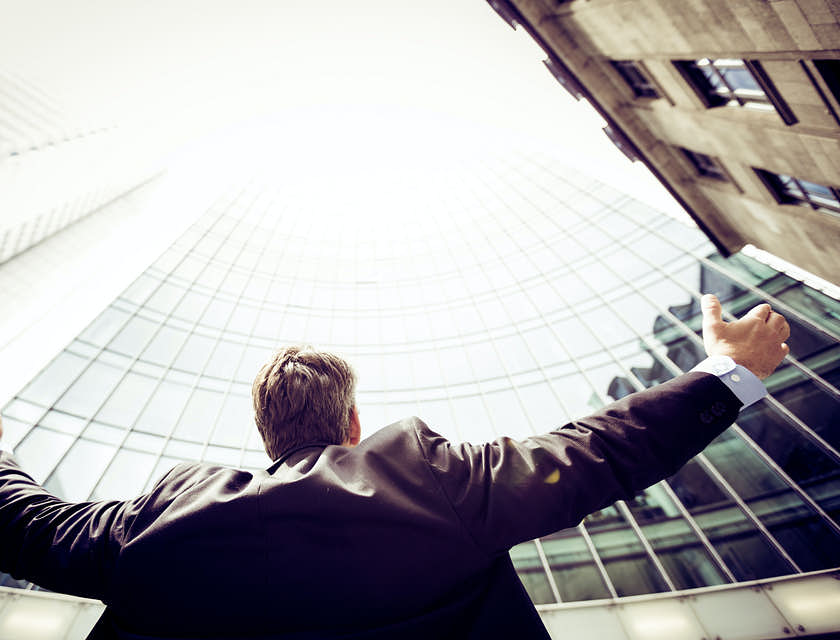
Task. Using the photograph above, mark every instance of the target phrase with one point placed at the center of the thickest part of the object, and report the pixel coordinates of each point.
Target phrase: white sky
(217, 60)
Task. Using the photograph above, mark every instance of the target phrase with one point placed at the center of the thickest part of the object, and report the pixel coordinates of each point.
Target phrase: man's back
(330, 541)
(405, 535)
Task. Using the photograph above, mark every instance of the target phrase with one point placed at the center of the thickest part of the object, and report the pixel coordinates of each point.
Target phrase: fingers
(761, 311)
(710, 306)
(778, 323)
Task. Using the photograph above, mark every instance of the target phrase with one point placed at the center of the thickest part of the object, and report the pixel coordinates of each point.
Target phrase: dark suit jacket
(404, 536)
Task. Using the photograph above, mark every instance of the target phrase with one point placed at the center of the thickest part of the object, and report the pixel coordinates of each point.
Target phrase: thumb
(711, 313)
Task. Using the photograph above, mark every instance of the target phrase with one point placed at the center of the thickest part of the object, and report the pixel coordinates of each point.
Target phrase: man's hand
(755, 341)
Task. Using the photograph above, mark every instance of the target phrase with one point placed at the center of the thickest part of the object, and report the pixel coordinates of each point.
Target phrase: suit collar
(287, 453)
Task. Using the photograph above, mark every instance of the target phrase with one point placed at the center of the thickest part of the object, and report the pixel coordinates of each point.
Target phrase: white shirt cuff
(740, 380)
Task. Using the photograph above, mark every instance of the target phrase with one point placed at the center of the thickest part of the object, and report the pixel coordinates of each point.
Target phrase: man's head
(303, 395)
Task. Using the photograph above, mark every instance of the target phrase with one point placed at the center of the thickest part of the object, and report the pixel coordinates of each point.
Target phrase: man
(403, 535)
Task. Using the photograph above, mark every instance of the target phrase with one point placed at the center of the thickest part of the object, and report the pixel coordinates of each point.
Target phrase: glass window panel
(530, 570)
(235, 421)
(104, 433)
(577, 338)
(508, 416)
(195, 353)
(90, 389)
(125, 403)
(183, 450)
(212, 277)
(318, 330)
(571, 287)
(222, 455)
(630, 569)
(52, 381)
(609, 329)
(133, 337)
(242, 318)
(369, 371)
(76, 475)
(397, 370)
(164, 408)
(484, 359)
(814, 189)
(199, 416)
(63, 422)
(806, 464)
(14, 430)
(255, 460)
(225, 360)
(740, 78)
(144, 442)
(744, 550)
(466, 319)
(438, 416)
(575, 573)
(545, 346)
(576, 395)
(126, 477)
(514, 353)
(192, 306)
(455, 365)
(472, 421)
(542, 407)
(598, 277)
(217, 313)
(164, 345)
(425, 367)
(252, 361)
(687, 562)
(105, 327)
(268, 323)
(140, 289)
(811, 543)
(165, 298)
(40, 450)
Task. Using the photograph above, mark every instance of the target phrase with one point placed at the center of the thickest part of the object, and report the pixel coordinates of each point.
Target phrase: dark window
(830, 72)
(705, 165)
(637, 80)
(733, 82)
(790, 190)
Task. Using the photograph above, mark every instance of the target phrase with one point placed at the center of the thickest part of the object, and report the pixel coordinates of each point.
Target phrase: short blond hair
(303, 395)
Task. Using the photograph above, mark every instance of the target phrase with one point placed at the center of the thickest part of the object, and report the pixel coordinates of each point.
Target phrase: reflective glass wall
(502, 294)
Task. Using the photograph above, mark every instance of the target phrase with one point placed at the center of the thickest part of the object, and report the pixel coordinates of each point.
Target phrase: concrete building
(735, 106)
(88, 164)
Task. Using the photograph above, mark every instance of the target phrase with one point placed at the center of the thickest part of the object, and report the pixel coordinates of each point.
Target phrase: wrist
(746, 386)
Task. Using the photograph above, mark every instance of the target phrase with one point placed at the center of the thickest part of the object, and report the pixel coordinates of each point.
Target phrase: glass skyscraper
(503, 294)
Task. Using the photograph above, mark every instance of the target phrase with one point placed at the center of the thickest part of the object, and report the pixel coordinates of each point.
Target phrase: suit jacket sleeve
(507, 492)
(63, 546)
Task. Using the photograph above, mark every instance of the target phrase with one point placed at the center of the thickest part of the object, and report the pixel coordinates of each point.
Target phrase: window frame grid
(774, 182)
(621, 504)
(636, 77)
(129, 366)
(675, 370)
(726, 93)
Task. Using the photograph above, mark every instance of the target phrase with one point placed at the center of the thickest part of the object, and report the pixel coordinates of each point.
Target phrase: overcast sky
(201, 64)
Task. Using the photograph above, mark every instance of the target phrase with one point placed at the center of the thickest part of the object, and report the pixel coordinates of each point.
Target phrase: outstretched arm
(56, 544)
(506, 492)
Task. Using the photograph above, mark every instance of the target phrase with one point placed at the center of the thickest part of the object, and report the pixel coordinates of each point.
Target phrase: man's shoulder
(410, 432)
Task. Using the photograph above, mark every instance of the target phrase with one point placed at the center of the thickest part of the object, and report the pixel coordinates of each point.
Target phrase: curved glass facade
(503, 295)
